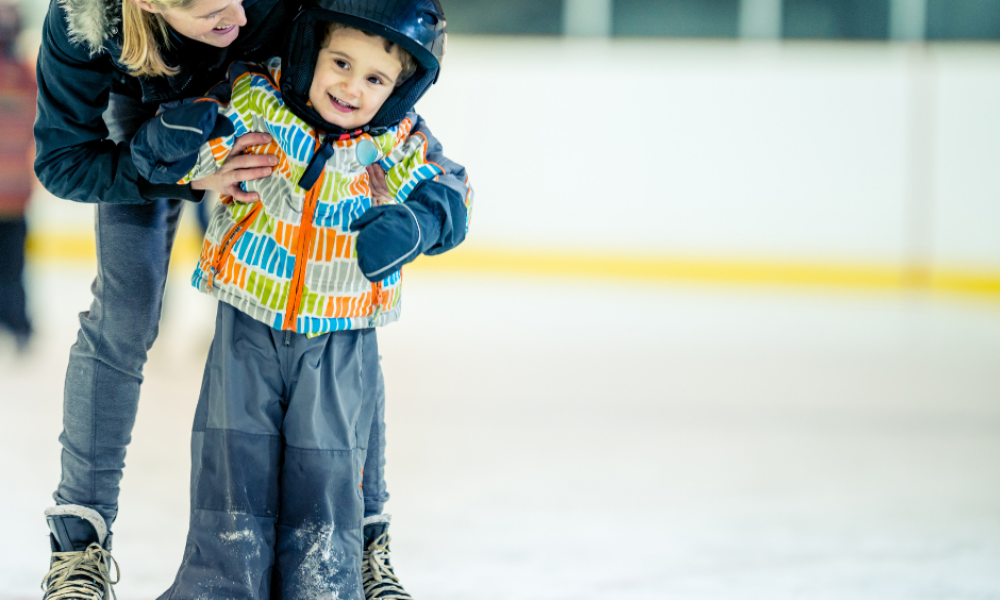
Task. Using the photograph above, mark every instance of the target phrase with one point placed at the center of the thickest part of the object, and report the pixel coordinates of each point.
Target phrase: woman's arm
(195, 142)
(74, 158)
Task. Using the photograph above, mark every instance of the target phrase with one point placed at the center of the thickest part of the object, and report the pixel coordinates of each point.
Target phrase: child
(304, 275)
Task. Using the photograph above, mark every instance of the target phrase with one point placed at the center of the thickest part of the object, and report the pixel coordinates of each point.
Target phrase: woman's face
(213, 22)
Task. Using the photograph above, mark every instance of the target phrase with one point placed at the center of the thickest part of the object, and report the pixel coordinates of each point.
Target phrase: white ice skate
(81, 556)
(379, 580)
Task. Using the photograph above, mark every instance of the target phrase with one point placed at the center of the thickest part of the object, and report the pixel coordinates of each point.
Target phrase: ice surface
(553, 439)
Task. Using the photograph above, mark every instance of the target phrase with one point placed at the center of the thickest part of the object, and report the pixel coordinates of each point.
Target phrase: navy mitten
(166, 147)
(392, 235)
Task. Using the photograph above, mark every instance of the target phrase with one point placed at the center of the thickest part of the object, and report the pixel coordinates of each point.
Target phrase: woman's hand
(240, 167)
(380, 191)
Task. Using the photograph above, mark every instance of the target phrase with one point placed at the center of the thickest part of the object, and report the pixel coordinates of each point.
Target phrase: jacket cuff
(448, 206)
(169, 191)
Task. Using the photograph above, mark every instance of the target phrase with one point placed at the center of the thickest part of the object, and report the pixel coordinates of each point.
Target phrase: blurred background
(726, 325)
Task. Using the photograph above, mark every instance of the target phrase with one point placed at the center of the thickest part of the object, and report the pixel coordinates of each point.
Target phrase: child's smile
(341, 105)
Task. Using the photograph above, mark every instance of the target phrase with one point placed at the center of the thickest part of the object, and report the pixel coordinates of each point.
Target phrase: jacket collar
(92, 22)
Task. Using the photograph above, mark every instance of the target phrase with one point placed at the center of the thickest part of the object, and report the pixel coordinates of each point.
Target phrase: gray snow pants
(278, 449)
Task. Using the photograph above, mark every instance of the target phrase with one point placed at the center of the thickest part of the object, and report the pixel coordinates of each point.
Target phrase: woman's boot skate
(81, 555)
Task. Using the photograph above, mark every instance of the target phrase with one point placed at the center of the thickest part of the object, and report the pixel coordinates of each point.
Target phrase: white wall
(727, 149)
(715, 148)
(967, 178)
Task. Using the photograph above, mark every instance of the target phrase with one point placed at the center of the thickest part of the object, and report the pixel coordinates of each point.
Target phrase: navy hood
(418, 26)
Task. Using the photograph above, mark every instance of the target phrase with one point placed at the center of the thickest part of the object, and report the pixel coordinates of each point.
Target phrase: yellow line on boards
(80, 248)
(632, 267)
(710, 270)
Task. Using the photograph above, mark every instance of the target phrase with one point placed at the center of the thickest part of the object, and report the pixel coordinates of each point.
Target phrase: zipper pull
(376, 303)
(375, 315)
(316, 165)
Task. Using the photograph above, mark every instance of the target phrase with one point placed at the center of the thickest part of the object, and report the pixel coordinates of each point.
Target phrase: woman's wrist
(201, 185)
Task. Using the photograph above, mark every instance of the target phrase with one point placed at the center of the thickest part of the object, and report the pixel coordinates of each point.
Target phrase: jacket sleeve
(424, 174)
(211, 156)
(186, 141)
(74, 158)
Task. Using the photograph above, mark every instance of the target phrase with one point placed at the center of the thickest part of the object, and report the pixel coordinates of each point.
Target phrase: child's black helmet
(418, 26)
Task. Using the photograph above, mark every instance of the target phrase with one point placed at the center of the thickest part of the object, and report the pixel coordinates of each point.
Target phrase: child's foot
(377, 576)
(81, 559)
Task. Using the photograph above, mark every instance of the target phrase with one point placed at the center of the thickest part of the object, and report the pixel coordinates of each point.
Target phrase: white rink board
(721, 148)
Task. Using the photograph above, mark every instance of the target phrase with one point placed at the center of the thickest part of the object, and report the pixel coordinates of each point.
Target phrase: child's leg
(373, 485)
(236, 456)
(332, 391)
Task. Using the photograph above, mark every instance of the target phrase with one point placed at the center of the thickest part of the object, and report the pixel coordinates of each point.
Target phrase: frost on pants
(311, 551)
(227, 556)
(318, 564)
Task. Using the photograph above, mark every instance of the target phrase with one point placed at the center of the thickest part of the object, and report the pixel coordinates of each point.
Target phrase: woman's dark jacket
(78, 69)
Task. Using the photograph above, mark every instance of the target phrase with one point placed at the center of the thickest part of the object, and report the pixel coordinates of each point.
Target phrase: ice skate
(377, 576)
(81, 556)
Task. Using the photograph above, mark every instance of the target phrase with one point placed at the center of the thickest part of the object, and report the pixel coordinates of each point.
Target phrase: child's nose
(352, 86)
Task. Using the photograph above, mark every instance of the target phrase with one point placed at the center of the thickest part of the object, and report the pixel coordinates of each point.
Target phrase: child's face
(354, 76)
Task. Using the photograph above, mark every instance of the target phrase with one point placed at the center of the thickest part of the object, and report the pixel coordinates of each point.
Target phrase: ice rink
(581, 439)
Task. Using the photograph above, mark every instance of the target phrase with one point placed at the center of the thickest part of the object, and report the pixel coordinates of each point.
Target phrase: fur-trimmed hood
(91, 23)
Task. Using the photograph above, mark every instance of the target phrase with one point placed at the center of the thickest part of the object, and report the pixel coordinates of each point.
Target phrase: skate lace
(377, 576)
(84, 575)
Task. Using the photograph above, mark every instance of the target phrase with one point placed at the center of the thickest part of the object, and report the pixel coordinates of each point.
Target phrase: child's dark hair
(405, 58)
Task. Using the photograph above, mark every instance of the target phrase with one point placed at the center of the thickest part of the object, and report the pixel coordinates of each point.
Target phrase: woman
(104, 68)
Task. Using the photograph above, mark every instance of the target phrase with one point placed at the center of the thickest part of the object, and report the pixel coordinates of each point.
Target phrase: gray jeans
(105, 365)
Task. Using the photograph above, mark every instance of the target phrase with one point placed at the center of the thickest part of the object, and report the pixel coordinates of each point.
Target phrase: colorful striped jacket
(289, 260)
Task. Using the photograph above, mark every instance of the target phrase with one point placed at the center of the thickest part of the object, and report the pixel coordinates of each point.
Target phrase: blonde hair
(144, 35)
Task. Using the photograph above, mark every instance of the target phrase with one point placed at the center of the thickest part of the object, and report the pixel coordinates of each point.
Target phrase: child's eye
(375, 80)
(341, 63)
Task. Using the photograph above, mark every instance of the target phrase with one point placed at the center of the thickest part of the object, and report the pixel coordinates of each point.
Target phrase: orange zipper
(223, 250)
(301, 257)
(306, 232)
(304, 243)
(376, 302)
